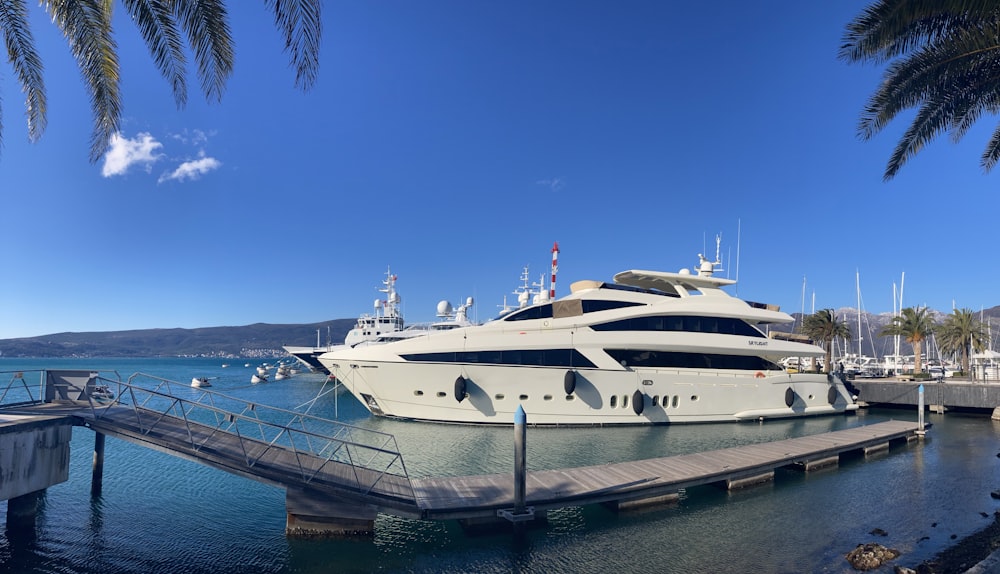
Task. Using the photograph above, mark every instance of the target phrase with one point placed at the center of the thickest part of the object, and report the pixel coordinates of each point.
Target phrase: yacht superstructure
(384, 318)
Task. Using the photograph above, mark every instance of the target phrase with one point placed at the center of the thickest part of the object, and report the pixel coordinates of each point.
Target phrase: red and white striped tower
(555, 267)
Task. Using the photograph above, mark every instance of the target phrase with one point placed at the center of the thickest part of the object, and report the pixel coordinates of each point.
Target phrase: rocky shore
(963, 556)
(960, 558)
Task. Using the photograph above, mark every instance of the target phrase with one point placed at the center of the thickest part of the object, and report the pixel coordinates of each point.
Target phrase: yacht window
(536, 312)
(671, 359)
(690, 324)
(530, 357)
(673, 403)
(656, 400)
(614, 401)
(595, 305)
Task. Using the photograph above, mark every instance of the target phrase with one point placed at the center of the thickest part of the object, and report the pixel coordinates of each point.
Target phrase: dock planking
(481, 496)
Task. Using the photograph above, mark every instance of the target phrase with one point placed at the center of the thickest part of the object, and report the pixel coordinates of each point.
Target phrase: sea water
(159, 513)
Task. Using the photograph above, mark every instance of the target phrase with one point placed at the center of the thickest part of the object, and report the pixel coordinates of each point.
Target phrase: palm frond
(205, 22)
(158, 28)
(86, 24)
(892, 28)
(300, 22)
(27, 64)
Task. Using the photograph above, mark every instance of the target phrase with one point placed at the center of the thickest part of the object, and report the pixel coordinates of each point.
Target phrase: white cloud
(192, 169)
(554, 184)
(123, 153)
(194, 137)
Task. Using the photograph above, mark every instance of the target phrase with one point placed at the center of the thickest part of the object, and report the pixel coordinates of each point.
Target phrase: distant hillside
(257, 340)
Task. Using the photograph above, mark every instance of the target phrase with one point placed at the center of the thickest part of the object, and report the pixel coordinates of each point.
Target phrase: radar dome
(684, 271)
(444, 309)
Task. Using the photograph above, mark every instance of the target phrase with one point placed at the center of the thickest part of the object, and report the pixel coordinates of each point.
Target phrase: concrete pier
(311, 515)
(34, 455)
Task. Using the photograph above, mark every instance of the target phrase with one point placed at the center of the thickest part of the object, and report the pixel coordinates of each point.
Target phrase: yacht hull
(599, 397)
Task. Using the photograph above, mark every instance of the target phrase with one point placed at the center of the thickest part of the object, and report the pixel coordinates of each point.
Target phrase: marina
(269, 453)
(941, 480)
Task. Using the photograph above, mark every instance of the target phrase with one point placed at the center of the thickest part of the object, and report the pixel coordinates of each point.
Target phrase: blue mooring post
(520, 466)
(920, 409)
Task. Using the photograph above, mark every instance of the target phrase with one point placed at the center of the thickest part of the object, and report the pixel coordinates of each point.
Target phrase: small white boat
(102, 394)
(224, 365)
(283, 372)
(263, 369)
(200, 382)
(258, 379)
(246, 364)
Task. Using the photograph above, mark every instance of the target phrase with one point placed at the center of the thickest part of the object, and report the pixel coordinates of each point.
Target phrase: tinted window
(537, 312)
(530, 357)
(595, 305)
(669, 359)
(689, 324)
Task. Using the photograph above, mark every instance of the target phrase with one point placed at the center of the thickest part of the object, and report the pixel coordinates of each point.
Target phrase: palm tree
(914, 325)
(164, 25)
(944, 60)
(824, 327)
(958, 332)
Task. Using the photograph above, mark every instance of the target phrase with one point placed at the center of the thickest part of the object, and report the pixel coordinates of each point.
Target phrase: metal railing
(18, 392)
(323, 451)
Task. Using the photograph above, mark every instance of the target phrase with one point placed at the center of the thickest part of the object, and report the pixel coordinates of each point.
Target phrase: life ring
(569, 382)
(637, 401)
(460, 388)
(758, 375)
(789, 397)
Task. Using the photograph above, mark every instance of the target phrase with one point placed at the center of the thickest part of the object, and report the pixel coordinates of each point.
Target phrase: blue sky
(454, 141)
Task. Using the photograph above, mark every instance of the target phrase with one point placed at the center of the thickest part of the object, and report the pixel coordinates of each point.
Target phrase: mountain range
(259, 340)
(265, 340)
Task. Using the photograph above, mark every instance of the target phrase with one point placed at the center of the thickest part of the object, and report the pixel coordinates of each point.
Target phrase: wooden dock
(651, 480)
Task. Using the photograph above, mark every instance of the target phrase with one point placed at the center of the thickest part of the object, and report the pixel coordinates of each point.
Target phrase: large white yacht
(652, 347)
(385, 318)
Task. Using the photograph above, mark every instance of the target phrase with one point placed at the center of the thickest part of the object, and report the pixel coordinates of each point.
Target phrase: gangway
(280, 447)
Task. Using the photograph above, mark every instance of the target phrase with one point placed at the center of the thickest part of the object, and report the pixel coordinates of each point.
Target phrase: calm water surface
(159, 513)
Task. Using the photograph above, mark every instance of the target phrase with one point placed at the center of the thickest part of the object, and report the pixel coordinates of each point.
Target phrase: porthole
(656, 400)
(570, 398)
(418, 393)
(624, 401)
(498, 396)
(694, 398)
(547, 397)
(614, 401)
(673, 403)
(810, 397)
(442, 394)
(523, 397)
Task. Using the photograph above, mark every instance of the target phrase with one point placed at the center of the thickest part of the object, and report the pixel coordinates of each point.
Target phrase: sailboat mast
(857, 287)
(902, 280)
